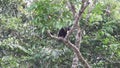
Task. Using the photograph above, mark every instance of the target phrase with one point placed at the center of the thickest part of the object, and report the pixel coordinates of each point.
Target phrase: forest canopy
(26, 43)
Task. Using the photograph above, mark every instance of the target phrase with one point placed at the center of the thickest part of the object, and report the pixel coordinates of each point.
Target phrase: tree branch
(77, 44)
(74, 48)
(91, 7)
(72, 8)
(77, 18)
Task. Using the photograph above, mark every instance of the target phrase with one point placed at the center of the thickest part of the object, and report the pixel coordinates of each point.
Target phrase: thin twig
(72, 8)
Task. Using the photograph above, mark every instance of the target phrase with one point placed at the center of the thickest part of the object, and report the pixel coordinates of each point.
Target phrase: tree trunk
(75, 61)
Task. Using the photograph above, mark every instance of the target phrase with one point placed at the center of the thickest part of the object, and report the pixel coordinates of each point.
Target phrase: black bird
(63, 32)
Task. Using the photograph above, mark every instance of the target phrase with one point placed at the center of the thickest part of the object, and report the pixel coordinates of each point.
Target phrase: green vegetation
(24, 42)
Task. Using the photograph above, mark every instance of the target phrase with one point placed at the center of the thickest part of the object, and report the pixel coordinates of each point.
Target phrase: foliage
(24, 42)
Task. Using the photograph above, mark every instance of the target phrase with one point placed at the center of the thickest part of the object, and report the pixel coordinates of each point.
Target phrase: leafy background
(24, 42)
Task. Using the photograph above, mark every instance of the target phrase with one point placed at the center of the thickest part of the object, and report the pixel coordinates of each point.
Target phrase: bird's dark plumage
(63, 32)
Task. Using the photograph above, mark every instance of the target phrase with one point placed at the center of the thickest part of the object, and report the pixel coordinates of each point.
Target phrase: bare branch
(74, 48)
(63, 39)
(77, 44)
(91, 7)
(72, 8)
(77, 18)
